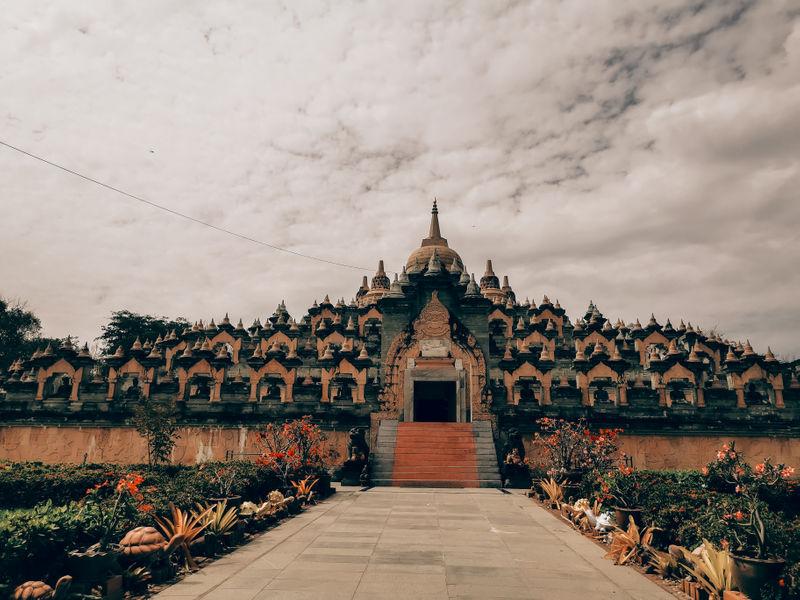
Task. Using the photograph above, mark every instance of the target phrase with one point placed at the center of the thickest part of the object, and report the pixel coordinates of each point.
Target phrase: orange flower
(738, 515)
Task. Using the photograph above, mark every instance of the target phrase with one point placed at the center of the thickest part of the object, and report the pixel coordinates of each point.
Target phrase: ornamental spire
(435, 233)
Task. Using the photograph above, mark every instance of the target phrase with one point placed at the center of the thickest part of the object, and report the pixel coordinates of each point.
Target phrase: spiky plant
(188, 524)
(219, 519)
(711, 568)
(554, 492)
(631, 545)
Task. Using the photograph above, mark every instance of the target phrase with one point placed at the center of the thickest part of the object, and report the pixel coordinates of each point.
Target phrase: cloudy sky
(641, 154)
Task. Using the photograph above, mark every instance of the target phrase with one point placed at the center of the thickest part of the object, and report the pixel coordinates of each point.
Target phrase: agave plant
(554, 491)
(218, 519)
(711, 568)
(631, 545)
(303, 488)
(663, 563)
(188, 524)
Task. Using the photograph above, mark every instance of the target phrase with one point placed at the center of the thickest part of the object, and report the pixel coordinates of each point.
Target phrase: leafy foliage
(157, 423)
(26, 484)
(19, 333)
(125, 326)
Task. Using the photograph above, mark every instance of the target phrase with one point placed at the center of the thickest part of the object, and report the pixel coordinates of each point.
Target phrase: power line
(178, 213)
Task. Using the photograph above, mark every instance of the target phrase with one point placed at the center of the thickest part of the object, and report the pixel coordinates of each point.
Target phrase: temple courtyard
(421, 544)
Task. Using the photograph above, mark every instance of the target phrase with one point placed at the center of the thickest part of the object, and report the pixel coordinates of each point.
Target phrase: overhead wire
(178, 213)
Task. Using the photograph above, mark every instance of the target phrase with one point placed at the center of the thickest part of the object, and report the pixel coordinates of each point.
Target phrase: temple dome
(419, 258)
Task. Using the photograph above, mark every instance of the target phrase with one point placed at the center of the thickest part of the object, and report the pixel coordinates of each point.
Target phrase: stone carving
(433, 321)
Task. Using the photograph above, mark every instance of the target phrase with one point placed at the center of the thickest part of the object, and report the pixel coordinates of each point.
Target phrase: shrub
(293, 450)
(24, 485)
(569, 446)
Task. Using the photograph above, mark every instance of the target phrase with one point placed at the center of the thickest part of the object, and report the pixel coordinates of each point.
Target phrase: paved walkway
(418, 544)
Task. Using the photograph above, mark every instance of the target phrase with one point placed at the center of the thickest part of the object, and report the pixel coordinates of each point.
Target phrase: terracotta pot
(751, 574)
(623, 514)
(731, 595)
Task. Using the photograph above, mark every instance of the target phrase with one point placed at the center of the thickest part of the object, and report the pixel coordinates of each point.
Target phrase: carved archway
(435, 340)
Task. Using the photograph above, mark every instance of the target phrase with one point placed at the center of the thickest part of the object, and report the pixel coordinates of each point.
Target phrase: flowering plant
(108, 503)
(622, 486)
(292, 449)
(569, 446)
(749, 482)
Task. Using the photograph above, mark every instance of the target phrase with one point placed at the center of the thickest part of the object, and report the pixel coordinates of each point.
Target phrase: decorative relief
(433, 321)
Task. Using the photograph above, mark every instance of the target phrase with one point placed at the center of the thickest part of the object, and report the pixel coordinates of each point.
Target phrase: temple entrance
(435, 401)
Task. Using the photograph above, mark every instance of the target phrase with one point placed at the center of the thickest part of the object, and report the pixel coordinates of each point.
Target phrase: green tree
(19, 333)
(157, 422)
(125, 326)
(18, 327)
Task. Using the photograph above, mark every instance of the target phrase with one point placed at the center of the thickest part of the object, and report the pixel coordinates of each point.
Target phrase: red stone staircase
(435, 455)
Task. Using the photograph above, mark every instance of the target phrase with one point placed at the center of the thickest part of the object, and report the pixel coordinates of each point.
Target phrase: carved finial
(769, 356)
(434, 264)
(473, 291)
(545, 354)
(730, 356)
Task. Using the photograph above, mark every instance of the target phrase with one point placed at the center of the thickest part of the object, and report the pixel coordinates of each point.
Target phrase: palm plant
(188, 524)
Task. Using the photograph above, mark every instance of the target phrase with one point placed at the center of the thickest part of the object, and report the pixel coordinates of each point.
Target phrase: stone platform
(420, 544)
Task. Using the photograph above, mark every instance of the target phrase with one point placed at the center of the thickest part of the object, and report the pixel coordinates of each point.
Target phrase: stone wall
(695, 451)
(119, 444)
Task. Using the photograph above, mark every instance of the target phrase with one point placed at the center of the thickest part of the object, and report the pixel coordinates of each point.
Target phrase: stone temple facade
(435, 344)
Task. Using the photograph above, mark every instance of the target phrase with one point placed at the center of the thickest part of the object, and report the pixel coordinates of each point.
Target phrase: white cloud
(641, 154)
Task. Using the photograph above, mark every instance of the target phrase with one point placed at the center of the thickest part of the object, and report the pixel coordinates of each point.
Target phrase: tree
(19, 333)
(125, 326)
(157, 423)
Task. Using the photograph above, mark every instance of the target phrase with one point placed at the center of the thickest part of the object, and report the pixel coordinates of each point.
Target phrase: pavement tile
(423, 544)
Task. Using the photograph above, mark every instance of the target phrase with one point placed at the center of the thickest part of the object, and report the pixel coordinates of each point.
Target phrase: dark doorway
(435, 401)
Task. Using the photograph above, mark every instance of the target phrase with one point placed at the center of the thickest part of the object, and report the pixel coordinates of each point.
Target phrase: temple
(433, 345)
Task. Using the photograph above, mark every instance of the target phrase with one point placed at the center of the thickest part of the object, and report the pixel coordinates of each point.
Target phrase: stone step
(441, 483)
(435, 455)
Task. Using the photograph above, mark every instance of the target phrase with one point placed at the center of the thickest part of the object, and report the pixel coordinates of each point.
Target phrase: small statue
(357, 448)
(355, 470)
(514, 469)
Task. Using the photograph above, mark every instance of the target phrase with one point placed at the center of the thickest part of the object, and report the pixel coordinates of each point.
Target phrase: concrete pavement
(423, 544)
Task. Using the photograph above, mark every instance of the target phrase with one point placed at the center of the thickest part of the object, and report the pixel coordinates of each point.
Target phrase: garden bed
(690, 528)
(103, 529)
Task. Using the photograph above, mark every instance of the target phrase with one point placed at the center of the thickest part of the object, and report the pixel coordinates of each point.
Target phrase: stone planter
(623, 514)
(93, 564)
(751, 574)
(231, 500)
